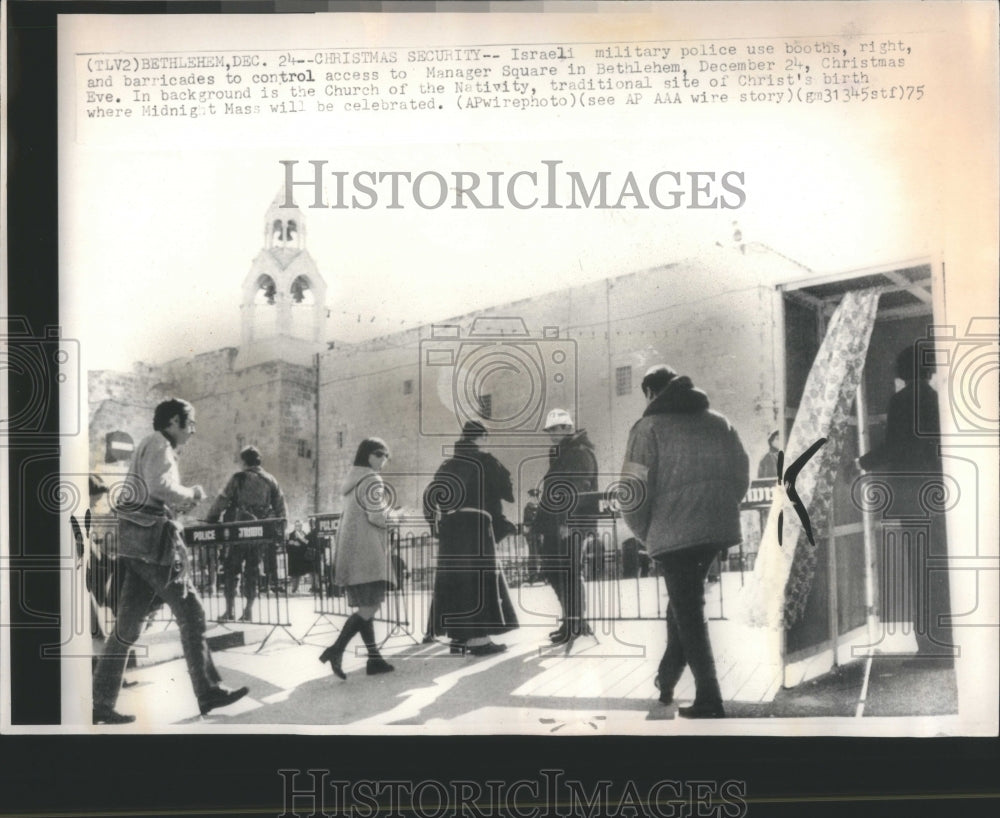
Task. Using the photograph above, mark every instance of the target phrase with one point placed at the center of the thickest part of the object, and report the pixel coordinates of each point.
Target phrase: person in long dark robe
(471, 601)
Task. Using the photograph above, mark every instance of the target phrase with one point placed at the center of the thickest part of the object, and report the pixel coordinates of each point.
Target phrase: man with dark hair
(688, 471)
(572, 471)
(152, 561)
(250, 494)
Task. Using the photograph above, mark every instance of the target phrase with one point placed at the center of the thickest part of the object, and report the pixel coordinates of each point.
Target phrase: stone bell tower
(284, 297)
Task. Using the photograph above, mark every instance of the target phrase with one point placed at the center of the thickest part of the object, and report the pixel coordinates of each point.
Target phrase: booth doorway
(852, 588)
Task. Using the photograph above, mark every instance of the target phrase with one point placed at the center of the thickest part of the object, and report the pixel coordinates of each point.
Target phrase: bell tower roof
(284, 230)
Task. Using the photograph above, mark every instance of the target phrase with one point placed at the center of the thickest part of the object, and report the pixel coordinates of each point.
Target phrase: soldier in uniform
(250, 494)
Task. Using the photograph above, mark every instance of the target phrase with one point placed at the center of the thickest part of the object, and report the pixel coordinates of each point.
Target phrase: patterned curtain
(776, 593)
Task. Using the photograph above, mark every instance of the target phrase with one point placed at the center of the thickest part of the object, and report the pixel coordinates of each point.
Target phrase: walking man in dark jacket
(689, 471)
(572, 471)
(250, 494)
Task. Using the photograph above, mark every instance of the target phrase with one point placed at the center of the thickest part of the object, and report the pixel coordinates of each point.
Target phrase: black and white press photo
(567, 373)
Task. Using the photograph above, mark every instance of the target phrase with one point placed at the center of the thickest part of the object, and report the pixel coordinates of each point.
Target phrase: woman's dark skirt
(366, 594)
(471, 598)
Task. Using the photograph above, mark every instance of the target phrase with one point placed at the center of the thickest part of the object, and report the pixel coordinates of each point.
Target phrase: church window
(304, 450)
(623, 380)
(408, 387)
(340, 440)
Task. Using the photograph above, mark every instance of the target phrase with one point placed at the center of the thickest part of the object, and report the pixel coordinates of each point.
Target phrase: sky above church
(159, 243)
(159, 225)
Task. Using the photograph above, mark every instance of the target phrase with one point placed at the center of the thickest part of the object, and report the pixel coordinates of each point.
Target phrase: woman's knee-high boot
(376, 664)
(335, 653)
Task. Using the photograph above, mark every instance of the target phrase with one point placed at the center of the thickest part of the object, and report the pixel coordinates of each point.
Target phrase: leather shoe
(702, 711)
(489, 649)
(559, 634)
(220, 697)
(666, 696)
(457, 648)
(108, 715)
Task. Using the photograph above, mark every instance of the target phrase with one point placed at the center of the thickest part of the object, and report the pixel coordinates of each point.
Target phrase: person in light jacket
(153, 565)
(688, 471)
(361, 564)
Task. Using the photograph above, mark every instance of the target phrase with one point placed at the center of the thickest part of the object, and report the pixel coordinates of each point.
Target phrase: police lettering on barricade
(328, 599)
(263, 544)
(753, 517)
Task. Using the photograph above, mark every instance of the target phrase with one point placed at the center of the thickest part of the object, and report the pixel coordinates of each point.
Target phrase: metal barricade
(251, 560)
(328, 598)
(621, 582)
(410, 569)
(256, 546)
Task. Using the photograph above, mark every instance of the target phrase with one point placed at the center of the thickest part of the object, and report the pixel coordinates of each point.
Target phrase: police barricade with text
(207, 546)
(256, 551)
(328, 598)
(621, 581)
(753, 518)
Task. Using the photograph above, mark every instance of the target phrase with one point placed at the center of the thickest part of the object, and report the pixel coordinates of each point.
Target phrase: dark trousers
(142, 584)
(242, 559)
(564, 572)
(534, 542)
(687, 631)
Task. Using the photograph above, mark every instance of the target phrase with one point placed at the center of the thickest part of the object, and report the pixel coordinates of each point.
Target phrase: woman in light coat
(362, 561)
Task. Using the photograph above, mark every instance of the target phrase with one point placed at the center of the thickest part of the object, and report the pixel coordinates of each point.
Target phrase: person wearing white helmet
(572, 468)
